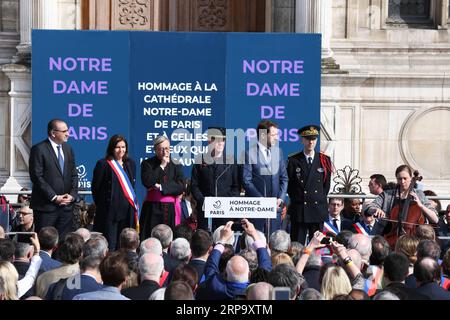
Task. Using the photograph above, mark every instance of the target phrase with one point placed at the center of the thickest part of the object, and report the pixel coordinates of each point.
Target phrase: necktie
(335, 223)
(60, 159)
(310, 160)
(369, 228)
(268, 154)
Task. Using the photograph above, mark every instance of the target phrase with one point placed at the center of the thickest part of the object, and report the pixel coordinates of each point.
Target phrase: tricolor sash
(328, 227)
(154, 195)
(360, 229)
(127, 188)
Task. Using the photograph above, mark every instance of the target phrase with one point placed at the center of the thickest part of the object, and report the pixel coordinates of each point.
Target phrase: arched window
(409, 12)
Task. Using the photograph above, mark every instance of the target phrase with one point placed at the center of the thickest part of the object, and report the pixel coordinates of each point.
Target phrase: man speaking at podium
(214, 175)
(264, 173)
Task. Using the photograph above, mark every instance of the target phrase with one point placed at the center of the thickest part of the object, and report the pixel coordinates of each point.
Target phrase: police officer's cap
(309, 132)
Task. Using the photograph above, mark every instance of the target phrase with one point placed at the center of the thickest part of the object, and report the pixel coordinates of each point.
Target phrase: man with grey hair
(310, 294)
(260, 291)
(280, 241)
(151, 245)
(363, 244)
(284, 275)
(164, 181)
(164, 234)
(237, 270)
(180, 250)
(84, 233)
(386, 295)
(151, 268)
(22, 256)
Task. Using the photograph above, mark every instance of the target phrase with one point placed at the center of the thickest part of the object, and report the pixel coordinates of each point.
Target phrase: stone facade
(385, 85)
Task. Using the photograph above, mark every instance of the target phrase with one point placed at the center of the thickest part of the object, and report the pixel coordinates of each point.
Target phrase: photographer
(236, 280)
(319, 241)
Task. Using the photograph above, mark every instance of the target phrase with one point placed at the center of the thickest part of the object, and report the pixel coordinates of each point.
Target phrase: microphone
(220, 176)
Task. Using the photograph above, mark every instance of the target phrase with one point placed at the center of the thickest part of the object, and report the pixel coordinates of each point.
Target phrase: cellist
(381, 207)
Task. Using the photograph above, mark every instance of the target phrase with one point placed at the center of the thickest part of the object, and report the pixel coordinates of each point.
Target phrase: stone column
(314, 16)
(26, 24)
(19, 126)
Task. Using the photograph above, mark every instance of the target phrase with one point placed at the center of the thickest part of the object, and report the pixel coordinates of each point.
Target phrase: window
(409, 12)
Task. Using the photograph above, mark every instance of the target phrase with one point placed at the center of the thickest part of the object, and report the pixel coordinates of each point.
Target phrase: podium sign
(239, 207)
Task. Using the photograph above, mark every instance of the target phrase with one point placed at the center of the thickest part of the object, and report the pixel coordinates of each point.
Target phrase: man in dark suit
(151, 268)
(55, 179)
(428, 274)
(214, 174)
(336, 222)
(264, 171)
(201, 245)
(396, 267)
(48, 238)
(309, 182)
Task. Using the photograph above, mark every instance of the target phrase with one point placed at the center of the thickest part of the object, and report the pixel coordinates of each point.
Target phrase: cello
(405, 217)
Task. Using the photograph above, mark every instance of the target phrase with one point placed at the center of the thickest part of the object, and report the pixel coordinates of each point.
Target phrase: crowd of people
(320, 247)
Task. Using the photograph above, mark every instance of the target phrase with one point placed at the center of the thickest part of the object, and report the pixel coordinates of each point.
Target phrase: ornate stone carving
(211, 15)
(347, 181)
(132, 14)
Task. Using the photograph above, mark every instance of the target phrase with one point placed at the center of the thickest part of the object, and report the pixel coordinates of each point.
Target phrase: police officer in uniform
(309, 175)
(214, 170)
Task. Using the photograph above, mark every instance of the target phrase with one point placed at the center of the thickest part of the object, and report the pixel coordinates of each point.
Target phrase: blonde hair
(280, 258)
(407, 245)
(10, 278)
(335, 282)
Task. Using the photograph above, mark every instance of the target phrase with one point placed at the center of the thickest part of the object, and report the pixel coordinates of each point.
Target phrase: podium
(241, 207)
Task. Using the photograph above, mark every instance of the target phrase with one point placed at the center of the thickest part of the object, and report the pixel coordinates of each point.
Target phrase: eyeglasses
(24, 213)
(63, 131)
(163, 149)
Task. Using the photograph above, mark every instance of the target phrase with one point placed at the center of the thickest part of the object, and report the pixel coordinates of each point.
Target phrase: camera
(327, 240)
(24, 237)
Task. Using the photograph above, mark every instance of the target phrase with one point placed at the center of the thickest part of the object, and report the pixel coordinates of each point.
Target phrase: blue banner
(143, 84)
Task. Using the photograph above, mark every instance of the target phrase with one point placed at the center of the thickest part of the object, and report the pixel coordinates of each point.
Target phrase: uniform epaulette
(324, 154)
(294, 154)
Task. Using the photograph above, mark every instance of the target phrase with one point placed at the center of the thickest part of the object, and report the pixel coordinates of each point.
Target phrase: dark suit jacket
(170, 263)
(307, 189)
(46, 176)
(199, 266)
(87, 284)
(260, 177)
(404, 292)
(47, 262)
(433, 291)
(21, 267)
(141, 292)
(216, 288)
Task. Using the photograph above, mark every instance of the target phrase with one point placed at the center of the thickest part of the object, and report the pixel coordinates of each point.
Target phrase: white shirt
(264, 149)
(55, 148)
(338, 221)
(312, 156)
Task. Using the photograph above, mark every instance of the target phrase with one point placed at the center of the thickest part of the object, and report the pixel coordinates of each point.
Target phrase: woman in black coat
(115, 207)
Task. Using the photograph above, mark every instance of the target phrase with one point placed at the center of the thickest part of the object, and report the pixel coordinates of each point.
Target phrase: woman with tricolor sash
(164, 181)
(113, 192)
